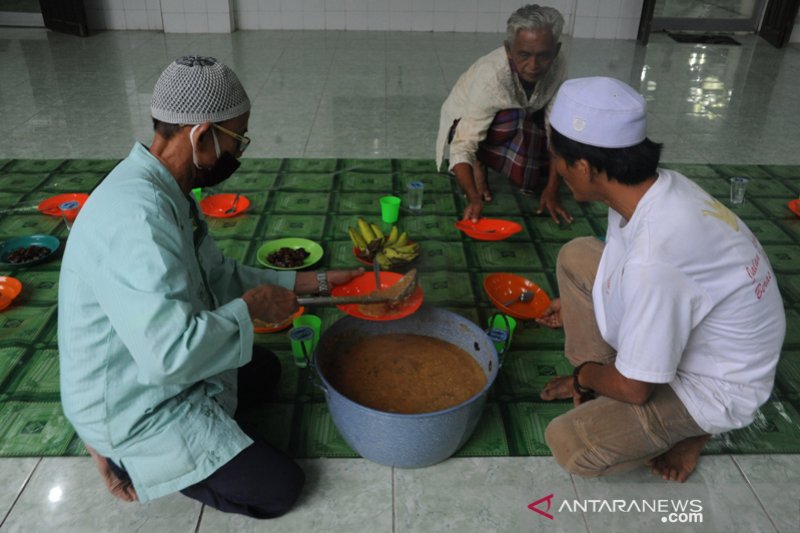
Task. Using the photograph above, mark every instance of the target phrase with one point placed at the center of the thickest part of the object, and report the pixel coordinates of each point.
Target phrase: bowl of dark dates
(288, 257)
(290, 253)
(29, 250)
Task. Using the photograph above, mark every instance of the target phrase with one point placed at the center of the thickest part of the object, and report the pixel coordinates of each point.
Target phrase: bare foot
(679, 461)
(558, 388)
(481, 183)
(118, 488)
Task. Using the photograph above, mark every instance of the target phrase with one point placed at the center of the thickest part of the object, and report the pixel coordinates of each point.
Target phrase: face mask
(223, 169)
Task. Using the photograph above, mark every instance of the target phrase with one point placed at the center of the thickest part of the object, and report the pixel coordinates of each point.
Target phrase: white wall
(601, 19)
(197, 16)
(605, 19)
(173, 16)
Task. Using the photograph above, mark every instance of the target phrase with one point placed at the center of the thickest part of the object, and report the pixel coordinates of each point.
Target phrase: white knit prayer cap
(599, 111)
(196, 90)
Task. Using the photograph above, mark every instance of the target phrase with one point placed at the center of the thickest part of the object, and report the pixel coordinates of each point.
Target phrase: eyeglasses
(244, 142)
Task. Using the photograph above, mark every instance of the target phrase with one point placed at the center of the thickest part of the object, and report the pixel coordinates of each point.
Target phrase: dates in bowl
(27, 254)
(288, 257)
(29, 250)
(289, 253)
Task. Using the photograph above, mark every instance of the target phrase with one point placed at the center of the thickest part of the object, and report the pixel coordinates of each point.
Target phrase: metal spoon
(524, 297)
(401, 290)
(377, 269)
(232, 208)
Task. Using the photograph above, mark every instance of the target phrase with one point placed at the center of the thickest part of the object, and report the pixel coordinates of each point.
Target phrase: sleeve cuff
(460, 158)
(286, 279)
(239, 309)
(639, 375)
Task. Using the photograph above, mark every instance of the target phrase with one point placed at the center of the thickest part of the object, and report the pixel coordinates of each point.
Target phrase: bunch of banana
(388, 250)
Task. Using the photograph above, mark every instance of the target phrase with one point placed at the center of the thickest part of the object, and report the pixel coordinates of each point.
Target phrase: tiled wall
(585, 18)
(174, 16)
(602, 19)
(124, 14)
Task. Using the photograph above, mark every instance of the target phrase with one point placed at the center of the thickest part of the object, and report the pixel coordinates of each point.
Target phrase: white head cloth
(599, 111)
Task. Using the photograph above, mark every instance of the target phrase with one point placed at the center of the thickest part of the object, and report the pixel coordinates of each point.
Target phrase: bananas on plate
(388, 250)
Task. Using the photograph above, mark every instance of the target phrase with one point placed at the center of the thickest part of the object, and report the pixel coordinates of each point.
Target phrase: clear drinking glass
(414, 196)
(69, 210)
(738, 186)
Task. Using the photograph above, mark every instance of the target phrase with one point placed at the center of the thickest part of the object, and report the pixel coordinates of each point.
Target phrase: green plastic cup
(501, 330)
(303, 337)
(390, 209)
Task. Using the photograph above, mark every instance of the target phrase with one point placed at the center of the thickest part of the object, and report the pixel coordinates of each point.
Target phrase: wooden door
(776, 28)
(66, 16)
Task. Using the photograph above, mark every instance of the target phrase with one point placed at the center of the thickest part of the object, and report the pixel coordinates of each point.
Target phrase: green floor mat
(318, 199)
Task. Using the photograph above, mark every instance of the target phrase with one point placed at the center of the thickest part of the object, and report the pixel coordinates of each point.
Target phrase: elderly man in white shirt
(495, 114)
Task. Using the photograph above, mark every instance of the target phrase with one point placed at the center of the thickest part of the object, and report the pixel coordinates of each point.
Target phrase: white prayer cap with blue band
(599, 111)
(196, 90)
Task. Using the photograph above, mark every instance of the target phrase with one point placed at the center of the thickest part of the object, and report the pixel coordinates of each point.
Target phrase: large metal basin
(407, 440)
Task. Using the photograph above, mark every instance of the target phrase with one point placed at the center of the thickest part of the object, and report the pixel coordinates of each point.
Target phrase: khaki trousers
(605, 436)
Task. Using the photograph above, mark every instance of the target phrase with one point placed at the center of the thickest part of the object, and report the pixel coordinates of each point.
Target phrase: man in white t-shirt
(675, 323)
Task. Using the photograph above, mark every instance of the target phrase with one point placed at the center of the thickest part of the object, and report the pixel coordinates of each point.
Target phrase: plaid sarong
(516, 146)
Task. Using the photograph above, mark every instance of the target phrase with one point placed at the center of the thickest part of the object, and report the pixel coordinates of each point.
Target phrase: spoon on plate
(398, 292)
(524, 297)
(377, 269)
(232, 208)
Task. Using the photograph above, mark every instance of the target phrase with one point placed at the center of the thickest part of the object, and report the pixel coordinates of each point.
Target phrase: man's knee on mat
(569, 449)
(574, 252)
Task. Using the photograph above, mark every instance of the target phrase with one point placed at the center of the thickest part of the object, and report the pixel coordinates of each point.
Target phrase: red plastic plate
(50, 205)
(365, 284)
(794, 205)
(504, 287)
(218, 205)
(9, 289)
(489, 229)
(278, 326)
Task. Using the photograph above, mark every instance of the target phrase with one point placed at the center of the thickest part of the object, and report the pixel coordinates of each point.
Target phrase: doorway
(21, 13)
(705, 15)
(66, 16)
(771, 19)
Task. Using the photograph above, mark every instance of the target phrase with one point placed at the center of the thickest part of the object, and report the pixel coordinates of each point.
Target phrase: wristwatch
(585, 393)
(322, 279)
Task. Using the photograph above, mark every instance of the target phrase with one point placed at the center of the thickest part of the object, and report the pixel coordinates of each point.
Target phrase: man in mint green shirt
(155, 325)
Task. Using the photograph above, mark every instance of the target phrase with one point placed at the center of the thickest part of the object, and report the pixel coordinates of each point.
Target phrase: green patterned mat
(318, 199)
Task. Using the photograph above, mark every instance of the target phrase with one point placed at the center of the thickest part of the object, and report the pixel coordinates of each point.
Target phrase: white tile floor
(377, 94)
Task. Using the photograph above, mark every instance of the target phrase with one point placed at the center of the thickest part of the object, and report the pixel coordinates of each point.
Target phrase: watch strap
(584, 392)
(322, 280)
